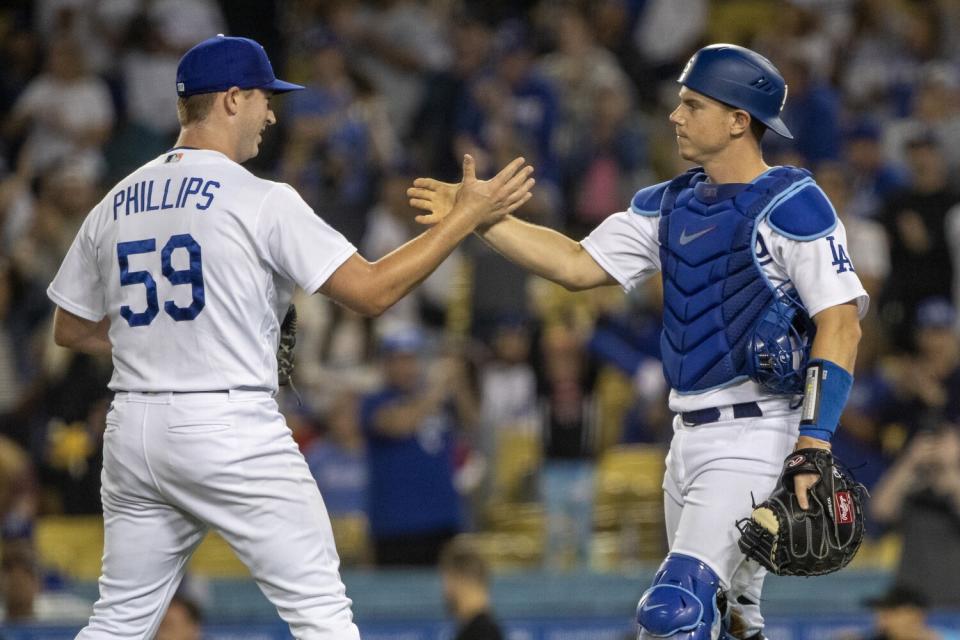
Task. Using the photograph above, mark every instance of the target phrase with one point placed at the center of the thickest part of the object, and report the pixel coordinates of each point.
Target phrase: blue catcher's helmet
(779, 348)
(740, 78)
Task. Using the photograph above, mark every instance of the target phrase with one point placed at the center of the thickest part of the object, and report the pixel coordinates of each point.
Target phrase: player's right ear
(231, 100)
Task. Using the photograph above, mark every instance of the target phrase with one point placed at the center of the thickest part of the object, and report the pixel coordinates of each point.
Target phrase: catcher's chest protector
(713, 287)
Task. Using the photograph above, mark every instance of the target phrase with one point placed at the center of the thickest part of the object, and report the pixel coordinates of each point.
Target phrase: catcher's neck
(737, 163)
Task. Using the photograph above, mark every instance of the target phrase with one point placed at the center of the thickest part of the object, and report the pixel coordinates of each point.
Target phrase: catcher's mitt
(792, 542)
(288, 340)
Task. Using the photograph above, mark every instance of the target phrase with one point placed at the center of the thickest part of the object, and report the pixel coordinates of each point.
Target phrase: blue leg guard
(682, 603)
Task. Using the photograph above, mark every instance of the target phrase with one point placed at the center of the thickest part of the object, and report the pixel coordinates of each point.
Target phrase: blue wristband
(826, 390)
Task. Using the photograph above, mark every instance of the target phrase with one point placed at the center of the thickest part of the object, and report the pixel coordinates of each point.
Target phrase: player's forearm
(838, 334)
(94, 346)
(397, 273)
(545, 252)
(79, 334)
(829, 376)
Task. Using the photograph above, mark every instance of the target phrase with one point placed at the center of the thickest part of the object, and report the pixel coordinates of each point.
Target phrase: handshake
(487, 200)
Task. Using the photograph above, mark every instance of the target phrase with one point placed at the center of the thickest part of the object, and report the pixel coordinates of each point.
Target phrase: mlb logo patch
(172, 157)
(181, 87)
(843, 506)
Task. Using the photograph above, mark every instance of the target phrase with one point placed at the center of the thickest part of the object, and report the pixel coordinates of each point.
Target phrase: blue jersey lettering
(840, 259)
(163, 201)
(211, 184)
(138, 197)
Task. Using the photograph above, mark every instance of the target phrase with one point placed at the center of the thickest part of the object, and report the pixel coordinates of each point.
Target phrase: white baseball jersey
(626, 246)
(194, 260)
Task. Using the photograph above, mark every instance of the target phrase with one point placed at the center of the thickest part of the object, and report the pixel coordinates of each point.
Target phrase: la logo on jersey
(840, 259)
(844, 508)
(172, 157)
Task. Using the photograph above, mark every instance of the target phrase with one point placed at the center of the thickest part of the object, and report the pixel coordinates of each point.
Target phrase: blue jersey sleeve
(646, 202)
(804, 214)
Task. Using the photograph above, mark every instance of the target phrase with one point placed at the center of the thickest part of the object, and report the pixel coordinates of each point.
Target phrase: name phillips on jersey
(139, 196)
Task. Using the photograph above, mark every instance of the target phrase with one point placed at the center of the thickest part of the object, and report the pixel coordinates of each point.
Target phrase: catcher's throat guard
(790, 541)
(778, 350)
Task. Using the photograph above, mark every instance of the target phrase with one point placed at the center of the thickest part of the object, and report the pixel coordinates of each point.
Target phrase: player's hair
(757, 128)
(194, 109)
(461, 557)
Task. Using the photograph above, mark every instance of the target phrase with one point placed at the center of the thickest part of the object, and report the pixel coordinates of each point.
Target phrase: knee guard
(682, 603)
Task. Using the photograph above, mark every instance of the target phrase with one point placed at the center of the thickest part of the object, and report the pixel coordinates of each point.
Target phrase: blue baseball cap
(221, 62)
(402, 341)
(936, 313)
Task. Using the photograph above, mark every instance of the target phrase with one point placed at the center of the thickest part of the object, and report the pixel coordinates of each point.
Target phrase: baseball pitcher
(183, 272)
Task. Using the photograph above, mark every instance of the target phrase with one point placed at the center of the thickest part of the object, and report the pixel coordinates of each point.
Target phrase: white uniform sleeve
(296, 242)
(821, 270)
(78, 287)
(625, 246)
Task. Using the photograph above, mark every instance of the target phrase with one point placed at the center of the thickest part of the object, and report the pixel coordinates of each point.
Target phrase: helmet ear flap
(778, 349)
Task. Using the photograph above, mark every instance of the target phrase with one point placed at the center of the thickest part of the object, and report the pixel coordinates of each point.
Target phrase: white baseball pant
(711, 471)
(178, 464)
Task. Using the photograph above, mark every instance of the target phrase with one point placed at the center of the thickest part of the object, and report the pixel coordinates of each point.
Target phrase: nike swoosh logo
(647, 607)
(685, 239)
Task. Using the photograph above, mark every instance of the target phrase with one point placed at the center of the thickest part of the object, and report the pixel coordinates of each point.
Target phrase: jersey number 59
(192, 276)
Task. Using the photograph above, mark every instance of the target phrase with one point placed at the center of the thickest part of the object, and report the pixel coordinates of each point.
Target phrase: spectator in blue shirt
(338, 459)
(411, 425)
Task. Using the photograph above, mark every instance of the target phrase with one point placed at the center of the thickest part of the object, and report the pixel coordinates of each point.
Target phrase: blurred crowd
(489, 390)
